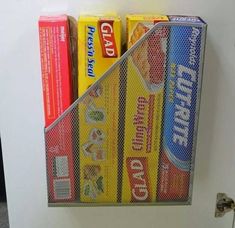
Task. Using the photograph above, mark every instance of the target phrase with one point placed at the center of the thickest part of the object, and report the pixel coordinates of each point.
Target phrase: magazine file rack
(71, 177)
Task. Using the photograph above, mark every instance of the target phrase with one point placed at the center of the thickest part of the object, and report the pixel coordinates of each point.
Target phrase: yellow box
(98, 142)
(99, 46)
(138, 24)
(144, 105)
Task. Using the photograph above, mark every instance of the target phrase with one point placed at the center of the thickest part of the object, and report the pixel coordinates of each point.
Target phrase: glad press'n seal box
(99, 46)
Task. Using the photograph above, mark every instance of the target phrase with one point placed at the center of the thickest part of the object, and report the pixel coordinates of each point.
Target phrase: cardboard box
(138, 24)
(98, 140)
(57, 93)
(181, 109)
(74, 54)
(99, 46)
(144, 107)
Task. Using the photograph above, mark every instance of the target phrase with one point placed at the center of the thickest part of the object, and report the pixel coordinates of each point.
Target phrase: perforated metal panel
(132, 135)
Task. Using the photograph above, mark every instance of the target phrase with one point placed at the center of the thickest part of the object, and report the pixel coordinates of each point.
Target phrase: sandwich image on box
(54, 36)
(99, 46)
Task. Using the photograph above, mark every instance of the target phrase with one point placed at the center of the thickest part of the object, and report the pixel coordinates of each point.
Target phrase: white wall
(21, 119)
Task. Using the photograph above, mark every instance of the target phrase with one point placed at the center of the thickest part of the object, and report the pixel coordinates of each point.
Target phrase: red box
(57, 93)
(55, 66)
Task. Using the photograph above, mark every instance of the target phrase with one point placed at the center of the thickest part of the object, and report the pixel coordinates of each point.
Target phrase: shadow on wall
(208, 112)
(2, 181)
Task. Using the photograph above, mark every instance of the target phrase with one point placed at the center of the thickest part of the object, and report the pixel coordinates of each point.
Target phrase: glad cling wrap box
(137, 25)
(54, 38)
(144, 105)
(181, 100)
(99, 46)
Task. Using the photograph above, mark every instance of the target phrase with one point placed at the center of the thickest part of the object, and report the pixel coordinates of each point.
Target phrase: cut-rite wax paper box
(54, 38)
(99, 46)
(182, 90)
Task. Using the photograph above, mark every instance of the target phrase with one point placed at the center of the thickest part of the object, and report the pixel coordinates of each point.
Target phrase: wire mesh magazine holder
(130, 138)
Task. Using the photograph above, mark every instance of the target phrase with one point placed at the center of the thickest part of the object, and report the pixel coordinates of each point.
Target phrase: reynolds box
(54, 38)
(181, 101)
(99, 46)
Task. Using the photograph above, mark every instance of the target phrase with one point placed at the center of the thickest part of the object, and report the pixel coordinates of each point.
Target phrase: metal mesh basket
(130, 139)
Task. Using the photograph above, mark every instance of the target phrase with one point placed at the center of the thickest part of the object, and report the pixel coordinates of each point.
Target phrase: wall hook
(224, 204)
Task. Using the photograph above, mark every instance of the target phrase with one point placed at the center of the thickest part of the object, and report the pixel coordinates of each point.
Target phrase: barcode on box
(62, 189)
(61, 166)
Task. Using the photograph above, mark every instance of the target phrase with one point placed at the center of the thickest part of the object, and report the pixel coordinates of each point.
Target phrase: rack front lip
(107, 73)
(113, 204)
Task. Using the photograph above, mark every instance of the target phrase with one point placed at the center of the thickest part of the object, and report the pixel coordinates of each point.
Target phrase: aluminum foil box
(56, 73)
